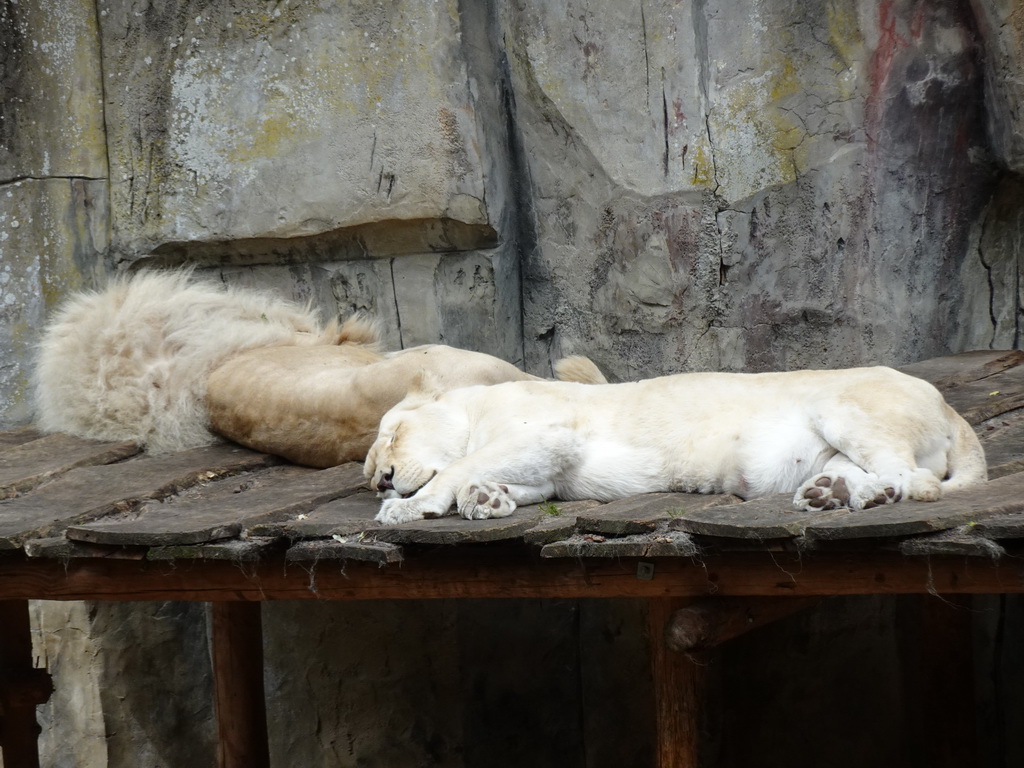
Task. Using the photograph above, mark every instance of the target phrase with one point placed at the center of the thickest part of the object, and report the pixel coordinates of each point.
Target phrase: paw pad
(487, 500)
(827, 493)
(885, 496)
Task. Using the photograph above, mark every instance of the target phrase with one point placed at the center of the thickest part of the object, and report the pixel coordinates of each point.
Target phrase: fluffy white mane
(130, 362)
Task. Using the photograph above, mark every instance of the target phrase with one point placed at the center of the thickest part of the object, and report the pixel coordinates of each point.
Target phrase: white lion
(170, 362)
(859, 438)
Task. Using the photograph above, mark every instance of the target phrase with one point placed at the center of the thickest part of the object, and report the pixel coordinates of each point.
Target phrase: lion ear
(425, 384)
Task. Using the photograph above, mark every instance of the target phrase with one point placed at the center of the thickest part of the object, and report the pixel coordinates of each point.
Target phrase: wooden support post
(937, 654)
(709, 623)
(678, 691)
(237, 649)
(22, 687)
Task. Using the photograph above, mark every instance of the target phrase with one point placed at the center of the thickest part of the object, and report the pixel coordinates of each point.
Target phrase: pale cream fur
(165, 360)
(485, 450)
(320, 406)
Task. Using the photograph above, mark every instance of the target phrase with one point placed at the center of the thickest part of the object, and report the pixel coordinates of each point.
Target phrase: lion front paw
(481, 501)
(395, 511)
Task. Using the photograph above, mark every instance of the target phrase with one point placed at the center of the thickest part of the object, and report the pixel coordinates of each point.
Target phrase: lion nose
(385, 484)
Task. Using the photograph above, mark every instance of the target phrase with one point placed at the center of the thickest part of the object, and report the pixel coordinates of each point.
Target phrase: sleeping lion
(320, 405)
(854, 438)
(174, 362)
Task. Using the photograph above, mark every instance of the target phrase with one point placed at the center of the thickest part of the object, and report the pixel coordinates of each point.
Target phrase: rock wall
(660, 185)
(54, 209)
(790, 189)
(664, 186)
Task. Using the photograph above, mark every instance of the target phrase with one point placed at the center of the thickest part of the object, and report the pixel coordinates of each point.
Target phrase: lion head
(417, 438)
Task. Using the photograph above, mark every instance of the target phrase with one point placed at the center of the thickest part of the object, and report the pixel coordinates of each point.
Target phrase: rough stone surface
(992, 274)
(133, 687)
(51, 233)
(362, 689)
(53, 162)
(1001, 24)
(834, 169)
(235, 121)
(51, 110)
(73, 727)
(467, 299)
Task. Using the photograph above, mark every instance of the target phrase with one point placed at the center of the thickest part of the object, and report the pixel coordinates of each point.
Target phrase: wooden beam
(678, 691)
(22, 687)
(712, 621)
(236, 640)
(506, 573)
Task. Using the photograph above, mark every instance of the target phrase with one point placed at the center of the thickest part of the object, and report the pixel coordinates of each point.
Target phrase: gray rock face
(54, 213)
(51, 113)
(132, 685)
(815, 213)
(234, 121)
(1001, 25)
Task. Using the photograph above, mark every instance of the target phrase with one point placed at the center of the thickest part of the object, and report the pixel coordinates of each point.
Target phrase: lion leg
(875, 461)
(842, 483)
(394, 511)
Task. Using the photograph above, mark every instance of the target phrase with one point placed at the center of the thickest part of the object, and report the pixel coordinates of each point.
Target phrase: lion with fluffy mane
(171, 362)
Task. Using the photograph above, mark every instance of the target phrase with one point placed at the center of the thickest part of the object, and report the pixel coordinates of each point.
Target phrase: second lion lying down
(171, 362)
(859, 437)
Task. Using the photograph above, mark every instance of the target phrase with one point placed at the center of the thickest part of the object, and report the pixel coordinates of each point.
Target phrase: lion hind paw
(923, 485)
(823, 492)
(481, 501)
(834, 491)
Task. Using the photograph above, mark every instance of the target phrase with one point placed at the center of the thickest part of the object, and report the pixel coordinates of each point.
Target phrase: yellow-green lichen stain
(788, 104)
(256, 120)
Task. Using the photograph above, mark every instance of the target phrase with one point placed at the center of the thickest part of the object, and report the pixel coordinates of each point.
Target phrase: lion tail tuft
(355, 329)
(966, 460)
(580, 369)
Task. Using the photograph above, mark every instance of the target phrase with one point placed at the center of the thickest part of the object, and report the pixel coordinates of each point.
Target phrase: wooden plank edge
(235, 550)
(958, 541)
(1004, 361)
(60, 548)
(996, 407)
(112, 454)
(12, 438)
(74, 527)
(457, 532)
(344, 548)
(663, 544)
(1009, 468)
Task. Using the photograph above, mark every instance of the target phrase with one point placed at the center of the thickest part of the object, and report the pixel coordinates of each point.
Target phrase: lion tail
(580, 369)
(965, 461)
(130, 361)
